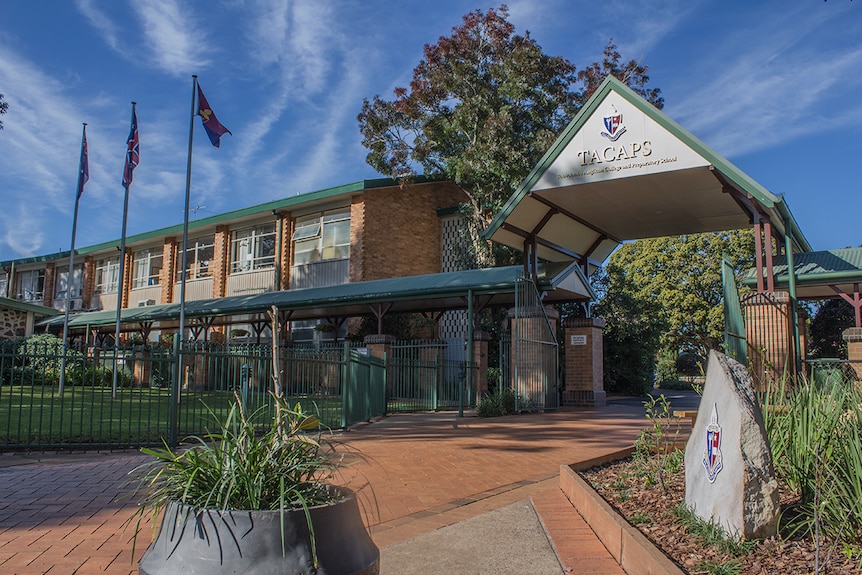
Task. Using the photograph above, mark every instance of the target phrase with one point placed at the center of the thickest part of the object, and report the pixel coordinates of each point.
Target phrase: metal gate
(734, 323)
(533, 358)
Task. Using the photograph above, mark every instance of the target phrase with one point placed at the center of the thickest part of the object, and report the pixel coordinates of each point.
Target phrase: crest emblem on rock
(614, 125)
(712, 454)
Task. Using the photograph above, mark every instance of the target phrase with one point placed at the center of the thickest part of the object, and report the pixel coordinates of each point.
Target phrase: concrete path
(492, 480)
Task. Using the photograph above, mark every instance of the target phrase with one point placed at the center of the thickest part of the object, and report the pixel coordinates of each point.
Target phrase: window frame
(195, 248)
(249, 247)
(143, 260)
(112, 267)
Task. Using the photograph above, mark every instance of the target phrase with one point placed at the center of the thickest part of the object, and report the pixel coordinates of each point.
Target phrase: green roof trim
(727, 169)
(6, 302)
(440, 289)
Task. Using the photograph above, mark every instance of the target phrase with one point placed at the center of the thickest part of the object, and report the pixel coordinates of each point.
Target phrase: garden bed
(654, 509)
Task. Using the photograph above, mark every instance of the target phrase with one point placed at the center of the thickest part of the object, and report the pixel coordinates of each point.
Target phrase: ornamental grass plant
(815, 432)
(237, 467)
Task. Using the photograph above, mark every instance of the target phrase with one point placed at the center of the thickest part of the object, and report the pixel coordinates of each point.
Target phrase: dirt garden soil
(651, 508)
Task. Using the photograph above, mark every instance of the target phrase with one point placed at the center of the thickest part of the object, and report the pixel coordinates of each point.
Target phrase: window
(107, 275)
(146, 267)
(200, 253)
(31, 285)
(253, 248)
(321, 237)
(4, 284)
(62, 275)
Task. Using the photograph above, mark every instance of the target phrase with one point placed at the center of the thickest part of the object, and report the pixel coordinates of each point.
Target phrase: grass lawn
(36, 417)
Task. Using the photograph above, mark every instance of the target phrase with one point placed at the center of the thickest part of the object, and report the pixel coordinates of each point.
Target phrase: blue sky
(773, 86)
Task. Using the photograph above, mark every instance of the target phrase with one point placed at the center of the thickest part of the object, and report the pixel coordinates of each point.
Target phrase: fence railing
(833, 371)
(160, 398)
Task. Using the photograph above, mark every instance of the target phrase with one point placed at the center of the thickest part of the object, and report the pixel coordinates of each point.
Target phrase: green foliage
(483, 106)
(501, 402)
(656, 453)
(235, 468)
(815, 433)
(665, 294)
(827, 326)
(710, 533)
(665, 367)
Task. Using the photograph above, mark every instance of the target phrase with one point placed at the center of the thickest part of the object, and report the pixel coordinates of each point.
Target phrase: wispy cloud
(745, 98)
(176, 41)
(100, 21)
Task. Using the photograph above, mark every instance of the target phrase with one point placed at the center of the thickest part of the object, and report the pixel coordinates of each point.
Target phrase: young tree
(483, 106)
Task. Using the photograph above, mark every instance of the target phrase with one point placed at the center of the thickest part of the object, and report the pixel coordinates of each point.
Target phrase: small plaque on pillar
(578, 340)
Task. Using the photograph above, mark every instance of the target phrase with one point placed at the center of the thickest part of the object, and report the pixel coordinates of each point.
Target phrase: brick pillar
(769, 334)
(126, 280)
(48, 287)
(357, 239)
(480, 357)
(853, 337)
(169, 269)
(531, 375)
(284, 243)
(221, 259)
(584, 362)
(378, 345)
(88, 282)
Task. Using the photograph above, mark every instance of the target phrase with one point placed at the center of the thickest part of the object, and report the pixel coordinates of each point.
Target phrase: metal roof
(6, 302)
(817, 272)
(593, 190)
(431, 292)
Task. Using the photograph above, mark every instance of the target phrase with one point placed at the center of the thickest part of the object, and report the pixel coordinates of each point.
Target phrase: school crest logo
(712, 454)
(613, 124)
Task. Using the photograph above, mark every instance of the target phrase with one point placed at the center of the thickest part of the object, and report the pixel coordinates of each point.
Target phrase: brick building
(367, 230)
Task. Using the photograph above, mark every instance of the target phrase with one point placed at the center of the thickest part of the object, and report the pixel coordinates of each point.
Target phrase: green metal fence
(420, 377)
(338, 383)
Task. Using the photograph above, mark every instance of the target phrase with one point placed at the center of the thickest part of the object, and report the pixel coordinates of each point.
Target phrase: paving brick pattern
(62, 514)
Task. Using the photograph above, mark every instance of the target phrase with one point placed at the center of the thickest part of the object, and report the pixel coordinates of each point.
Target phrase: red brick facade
(584, 370)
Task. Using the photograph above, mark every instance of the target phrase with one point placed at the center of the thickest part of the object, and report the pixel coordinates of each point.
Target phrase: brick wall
(853, 337)
(50, 279)
(169, 269)
(126, 280)
(397, 231)
(221, 257)
(285, 224)
(88, 281)
(769, 335)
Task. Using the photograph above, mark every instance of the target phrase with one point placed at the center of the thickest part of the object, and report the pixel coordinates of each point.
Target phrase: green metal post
(345, 386)
(469, 377)
(173, 424)
(791, 287)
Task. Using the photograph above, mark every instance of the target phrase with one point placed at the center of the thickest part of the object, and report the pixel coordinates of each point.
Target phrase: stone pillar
(480, 357)
(769, 333)
(853, 337)
(532, 362)
(221, 260)
(584, 362)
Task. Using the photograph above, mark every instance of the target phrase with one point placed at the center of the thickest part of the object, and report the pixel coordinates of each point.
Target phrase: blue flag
(215, 130)
(84, 164)
(133, 152)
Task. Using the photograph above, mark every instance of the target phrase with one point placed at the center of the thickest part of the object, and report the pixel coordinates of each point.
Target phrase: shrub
(501, 402)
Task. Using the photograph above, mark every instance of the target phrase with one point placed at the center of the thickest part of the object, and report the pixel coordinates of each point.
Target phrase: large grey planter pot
(213, 542)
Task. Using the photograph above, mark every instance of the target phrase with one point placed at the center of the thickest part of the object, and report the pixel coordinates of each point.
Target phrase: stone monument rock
(729, 478)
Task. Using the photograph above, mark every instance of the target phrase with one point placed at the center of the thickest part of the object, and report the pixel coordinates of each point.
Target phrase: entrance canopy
(622, 170)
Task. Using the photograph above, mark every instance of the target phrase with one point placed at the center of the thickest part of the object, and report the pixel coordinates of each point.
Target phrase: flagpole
(184, 268)
(122, 267)
(79, 190)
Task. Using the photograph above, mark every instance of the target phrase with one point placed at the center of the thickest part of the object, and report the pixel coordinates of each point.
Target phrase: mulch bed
(651, 509)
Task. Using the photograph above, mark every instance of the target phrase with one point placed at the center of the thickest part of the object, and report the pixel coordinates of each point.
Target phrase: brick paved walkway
(414, 473)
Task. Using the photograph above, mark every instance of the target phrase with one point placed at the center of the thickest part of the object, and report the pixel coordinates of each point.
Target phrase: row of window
(317, 237)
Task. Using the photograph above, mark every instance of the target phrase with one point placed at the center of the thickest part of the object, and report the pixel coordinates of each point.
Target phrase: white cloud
(100, 21)
(175, 38)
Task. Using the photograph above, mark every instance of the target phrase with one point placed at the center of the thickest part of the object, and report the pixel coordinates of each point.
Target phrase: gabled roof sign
(623, 170)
